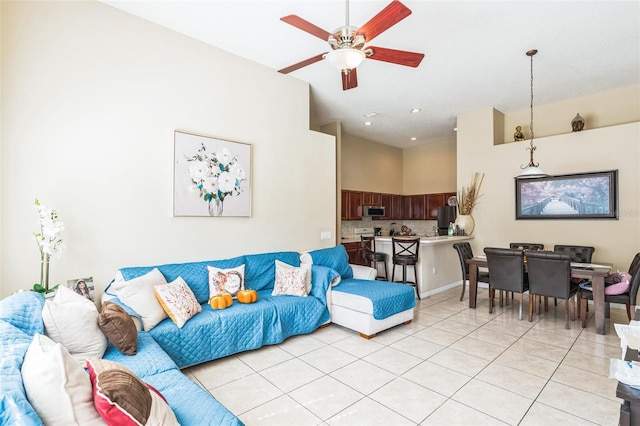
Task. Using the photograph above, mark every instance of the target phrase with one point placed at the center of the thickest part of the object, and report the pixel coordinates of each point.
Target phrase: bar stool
(372, 257)
(405, 253)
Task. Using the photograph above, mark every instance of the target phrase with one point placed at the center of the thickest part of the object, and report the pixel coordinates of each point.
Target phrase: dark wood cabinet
(344, 208)
(386, 201)
(418, 207)
(433, 202)
(371, 199)
(397, 207)
(354, 251)
(351, 205)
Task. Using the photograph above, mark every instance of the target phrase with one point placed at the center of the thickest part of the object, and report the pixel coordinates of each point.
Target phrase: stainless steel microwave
(372, 211)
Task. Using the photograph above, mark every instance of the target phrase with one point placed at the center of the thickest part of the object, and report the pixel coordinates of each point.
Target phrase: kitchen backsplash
(418, 227)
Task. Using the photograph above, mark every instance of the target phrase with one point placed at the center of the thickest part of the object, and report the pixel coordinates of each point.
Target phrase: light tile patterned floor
(451, 366)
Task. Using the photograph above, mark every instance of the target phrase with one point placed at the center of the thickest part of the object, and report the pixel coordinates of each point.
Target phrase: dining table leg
(473, 285)
(598, 302)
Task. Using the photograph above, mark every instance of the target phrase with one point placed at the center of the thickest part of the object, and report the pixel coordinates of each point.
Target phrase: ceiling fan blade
(301, 64)
(306, 26)
(385, 19)
(400, 57)
(349, 80)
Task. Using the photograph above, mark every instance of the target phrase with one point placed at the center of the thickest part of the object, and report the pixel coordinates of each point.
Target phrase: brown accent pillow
(121, 398)
(119, 328)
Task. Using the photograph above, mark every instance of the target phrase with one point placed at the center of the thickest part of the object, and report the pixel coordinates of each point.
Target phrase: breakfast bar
(438, 265)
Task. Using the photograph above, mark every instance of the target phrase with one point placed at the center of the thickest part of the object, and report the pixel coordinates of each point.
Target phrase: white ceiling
(474, 55)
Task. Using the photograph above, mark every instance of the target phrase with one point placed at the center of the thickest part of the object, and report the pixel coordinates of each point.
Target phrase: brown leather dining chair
(550, 275)
(373, 257)
(628, 298)
(507, 271)
(465, 252)
(405, 253)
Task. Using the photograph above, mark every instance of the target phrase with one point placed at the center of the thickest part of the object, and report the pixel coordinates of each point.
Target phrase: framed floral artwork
(212, 177)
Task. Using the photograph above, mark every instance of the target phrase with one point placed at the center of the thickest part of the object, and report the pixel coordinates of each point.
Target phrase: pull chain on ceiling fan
(348, 43)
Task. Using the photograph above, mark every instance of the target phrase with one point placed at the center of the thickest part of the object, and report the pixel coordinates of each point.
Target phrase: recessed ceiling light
(368, 123)
(371, 114)
(414, 138)
(414, 110)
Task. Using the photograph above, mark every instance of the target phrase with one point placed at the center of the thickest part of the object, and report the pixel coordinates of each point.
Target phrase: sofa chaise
(337, 293)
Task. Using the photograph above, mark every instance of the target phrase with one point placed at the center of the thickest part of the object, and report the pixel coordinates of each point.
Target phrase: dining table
(594, 272)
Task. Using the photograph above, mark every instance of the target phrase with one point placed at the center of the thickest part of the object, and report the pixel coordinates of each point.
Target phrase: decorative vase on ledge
(466, 223)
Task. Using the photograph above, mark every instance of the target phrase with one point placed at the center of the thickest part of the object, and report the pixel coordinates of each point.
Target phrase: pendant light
(531, 170)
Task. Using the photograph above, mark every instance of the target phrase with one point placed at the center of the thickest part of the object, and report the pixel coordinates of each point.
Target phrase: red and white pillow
(122, 399)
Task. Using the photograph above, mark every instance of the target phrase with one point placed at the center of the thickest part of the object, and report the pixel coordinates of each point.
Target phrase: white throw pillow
(178, 301)
(306, 261)
(72, 320)
(225, 280)
(139, 295)
(57, 386)
(290, 280)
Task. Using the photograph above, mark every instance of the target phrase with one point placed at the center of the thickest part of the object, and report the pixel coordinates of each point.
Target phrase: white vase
(215, 207)
(466, 223)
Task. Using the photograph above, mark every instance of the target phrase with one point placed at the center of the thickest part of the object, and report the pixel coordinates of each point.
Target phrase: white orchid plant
(217, 175)
(49, 242)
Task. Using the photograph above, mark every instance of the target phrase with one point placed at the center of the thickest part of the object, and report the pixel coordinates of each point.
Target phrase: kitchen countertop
(423, 240)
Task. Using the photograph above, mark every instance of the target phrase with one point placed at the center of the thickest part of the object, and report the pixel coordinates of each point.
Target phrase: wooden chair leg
(629, 311)
(501, 298)
(583, 312)
(464, 285)
(531, 301)
(567, 314)
(572, 308)
(537, 303)
(492, 293)
(546, 304)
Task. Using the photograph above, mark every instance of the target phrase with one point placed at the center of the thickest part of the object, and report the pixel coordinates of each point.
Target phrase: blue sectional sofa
(21, 319)
(162, 351)
(213, 334)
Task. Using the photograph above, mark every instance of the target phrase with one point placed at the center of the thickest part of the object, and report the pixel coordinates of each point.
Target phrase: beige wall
(613, 147)
(609, 108)
(429, 168)
(94, 96)
(370, 166)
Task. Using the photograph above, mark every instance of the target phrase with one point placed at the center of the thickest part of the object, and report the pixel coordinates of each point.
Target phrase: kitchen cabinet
(406, 207)
(371, 199)
(418, 207)
(386, 201)
(351, 205)
(397, 207)
(433, 202)
(354, 251)
(344, 208)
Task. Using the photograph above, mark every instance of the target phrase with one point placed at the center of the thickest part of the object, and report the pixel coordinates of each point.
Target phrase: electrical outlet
(325, 235)
(435, 270)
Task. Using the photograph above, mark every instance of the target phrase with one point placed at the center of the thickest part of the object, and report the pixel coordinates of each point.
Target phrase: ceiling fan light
(345, 59)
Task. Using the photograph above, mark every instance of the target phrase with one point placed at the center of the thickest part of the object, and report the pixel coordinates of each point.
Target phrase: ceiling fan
(347, 43)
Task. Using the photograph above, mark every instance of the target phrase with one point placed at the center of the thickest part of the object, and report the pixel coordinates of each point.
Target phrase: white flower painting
(212, 177)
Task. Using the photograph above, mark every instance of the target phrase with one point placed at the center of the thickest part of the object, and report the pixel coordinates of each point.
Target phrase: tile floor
(451, 366)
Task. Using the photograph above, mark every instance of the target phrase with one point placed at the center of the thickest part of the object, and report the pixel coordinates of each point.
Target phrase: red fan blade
(385, 19)
(400, 57)
(304, 63)
(306, 26)
(349, 80)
